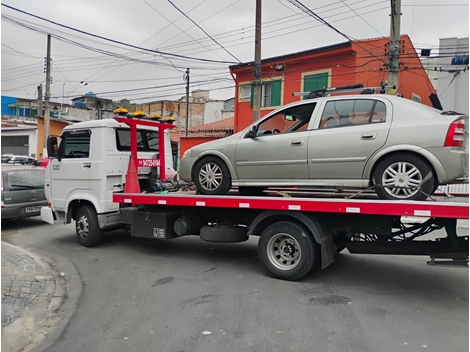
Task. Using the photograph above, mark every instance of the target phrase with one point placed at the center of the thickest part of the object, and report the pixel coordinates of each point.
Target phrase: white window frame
(245, 92)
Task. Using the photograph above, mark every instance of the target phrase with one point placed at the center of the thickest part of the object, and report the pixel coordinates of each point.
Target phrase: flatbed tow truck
(297, 228)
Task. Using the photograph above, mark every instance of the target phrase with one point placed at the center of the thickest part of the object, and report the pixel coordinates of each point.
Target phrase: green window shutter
(312, 82)
(251, 95)
(276, 93)
(34, 112)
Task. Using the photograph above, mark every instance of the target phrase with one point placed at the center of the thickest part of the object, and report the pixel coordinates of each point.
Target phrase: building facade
(452, 68)
(359, 61)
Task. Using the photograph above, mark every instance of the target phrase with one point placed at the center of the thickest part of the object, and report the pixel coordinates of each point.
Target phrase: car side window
(352, 112)
(75, 144)
(292, 119)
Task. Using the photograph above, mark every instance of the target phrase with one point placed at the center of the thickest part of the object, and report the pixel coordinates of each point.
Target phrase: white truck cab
(90, 163)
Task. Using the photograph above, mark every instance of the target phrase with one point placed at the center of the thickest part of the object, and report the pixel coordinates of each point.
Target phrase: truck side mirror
(52, 147)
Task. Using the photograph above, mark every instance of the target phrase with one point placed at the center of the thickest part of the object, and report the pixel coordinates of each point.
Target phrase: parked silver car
(22, 191)
(401, 148)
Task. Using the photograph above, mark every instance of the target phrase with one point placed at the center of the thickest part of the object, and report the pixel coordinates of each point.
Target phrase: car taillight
(455, 135)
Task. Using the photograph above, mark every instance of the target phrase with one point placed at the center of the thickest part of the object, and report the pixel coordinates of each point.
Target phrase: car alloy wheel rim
(210, 176)
(82, 227)
(284, 251)
(402, 180)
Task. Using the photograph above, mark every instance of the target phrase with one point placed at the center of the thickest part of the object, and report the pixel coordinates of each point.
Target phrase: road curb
(25, 330)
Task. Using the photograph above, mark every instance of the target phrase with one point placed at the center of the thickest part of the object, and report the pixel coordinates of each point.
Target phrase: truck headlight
(187, 153)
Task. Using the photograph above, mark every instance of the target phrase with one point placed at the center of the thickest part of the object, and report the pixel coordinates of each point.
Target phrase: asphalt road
(132, 294)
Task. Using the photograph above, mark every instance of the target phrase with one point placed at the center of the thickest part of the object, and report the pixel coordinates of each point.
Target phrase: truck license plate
(32, 209)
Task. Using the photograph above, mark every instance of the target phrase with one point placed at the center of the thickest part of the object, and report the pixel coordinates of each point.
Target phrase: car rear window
(24, 179)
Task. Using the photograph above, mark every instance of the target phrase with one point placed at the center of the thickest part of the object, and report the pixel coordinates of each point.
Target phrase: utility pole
(39, 100)
(257, 78)
(186, 77)
(394, 45)
(47, 107)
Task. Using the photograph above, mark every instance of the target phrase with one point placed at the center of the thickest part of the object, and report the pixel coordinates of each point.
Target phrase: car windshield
(33, 178)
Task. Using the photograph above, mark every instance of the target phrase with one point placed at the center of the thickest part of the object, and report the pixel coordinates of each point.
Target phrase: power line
(362, 18)
(115, 41)
(198, 26)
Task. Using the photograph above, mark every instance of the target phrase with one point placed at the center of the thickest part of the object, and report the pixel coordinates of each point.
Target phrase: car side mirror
(251, 133)
(52, 147)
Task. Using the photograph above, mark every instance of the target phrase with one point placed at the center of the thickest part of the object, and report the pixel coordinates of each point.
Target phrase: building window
(270, 94)
(245, 92)
(266, 91)
(315, 81)
(415, 97)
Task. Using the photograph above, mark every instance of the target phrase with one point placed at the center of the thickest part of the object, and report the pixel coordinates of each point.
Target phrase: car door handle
(369, 136)
(87, 166)
(297, 142)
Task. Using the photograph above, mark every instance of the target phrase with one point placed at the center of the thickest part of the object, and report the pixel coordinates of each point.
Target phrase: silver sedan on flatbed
(402, 149)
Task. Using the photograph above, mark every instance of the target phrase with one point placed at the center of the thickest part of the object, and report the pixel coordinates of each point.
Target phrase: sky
(140, 49)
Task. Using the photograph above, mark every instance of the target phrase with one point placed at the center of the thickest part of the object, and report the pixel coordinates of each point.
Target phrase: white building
(453, 78)
(20, 140)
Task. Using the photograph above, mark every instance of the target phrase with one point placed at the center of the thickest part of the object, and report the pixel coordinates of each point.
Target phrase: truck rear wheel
(88, 231)
(287, 250)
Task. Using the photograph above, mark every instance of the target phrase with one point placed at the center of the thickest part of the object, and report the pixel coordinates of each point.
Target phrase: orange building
(359, 61)
(55, 128)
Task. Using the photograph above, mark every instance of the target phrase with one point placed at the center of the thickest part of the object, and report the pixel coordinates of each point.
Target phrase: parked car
(6, 158)
(400, 148)
(21, 160)
(22, 191)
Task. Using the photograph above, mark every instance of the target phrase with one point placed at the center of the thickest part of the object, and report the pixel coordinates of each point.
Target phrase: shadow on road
(22, 223)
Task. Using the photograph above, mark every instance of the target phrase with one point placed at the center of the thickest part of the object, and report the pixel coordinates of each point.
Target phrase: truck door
(71, 171)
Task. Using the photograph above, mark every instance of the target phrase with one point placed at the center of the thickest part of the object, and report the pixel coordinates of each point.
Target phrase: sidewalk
(32, 291)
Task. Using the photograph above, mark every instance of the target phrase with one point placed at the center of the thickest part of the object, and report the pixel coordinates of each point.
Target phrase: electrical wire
(114, 41)
(202, 29)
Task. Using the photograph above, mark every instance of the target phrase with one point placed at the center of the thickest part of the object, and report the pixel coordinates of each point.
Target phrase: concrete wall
(218, 110)
(429, 65)
(453, 86)
(213, 111)
(176, 109)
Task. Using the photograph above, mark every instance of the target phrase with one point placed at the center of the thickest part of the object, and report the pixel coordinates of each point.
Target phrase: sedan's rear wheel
(403, 177)
(212, 176)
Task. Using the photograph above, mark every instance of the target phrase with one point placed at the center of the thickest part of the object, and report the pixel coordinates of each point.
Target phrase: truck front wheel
(86, 225)
(287, 250)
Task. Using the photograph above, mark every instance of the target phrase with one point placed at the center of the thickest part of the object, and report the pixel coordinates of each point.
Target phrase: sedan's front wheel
(403, 177)
(212, 176)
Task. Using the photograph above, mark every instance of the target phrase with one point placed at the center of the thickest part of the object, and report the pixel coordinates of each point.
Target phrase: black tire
(212, 176)
(287, 250)
(86, 226)
(413, 170)
(223, 233)
(251, 191)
